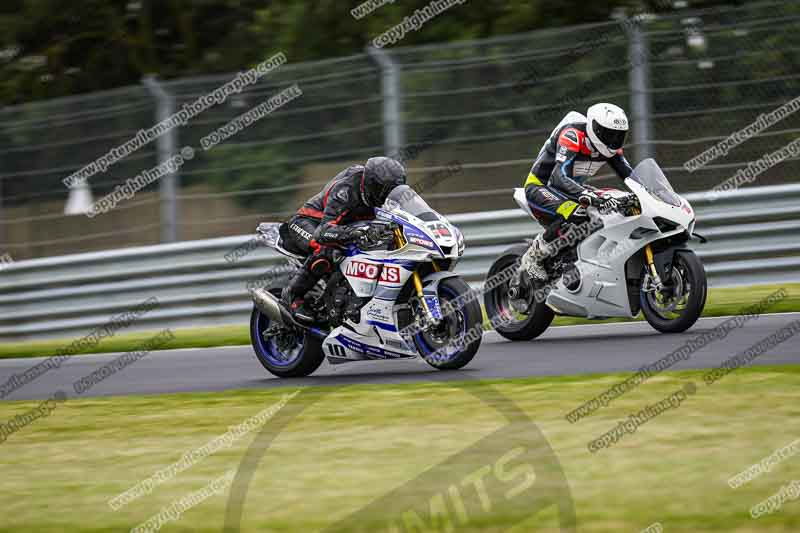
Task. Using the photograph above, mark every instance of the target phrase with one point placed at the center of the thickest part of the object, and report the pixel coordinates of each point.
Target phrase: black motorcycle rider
(320, 228)
(576, 149)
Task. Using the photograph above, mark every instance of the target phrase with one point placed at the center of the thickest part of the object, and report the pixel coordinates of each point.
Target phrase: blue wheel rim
(269, 351)
(428, 350)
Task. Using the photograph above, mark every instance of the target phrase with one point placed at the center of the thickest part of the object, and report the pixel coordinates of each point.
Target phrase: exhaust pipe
(270, 306)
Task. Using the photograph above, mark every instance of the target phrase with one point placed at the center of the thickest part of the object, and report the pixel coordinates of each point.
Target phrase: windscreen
(407, 199)
(649, 175)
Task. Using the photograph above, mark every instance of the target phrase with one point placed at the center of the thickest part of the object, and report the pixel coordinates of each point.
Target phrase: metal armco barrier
(752, 233)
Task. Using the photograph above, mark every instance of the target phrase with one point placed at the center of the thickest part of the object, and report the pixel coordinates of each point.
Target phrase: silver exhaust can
(268, 304)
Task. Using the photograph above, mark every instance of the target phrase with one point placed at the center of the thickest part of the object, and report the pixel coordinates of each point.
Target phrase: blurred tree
(52, 48)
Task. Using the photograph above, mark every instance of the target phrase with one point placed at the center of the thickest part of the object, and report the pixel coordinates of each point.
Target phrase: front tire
(678, 312)
(297, 355)
(510, 324)
(464, 325)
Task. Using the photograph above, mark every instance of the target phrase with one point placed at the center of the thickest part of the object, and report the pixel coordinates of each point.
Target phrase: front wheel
(284, 352)
(678, 306)
(455, 340)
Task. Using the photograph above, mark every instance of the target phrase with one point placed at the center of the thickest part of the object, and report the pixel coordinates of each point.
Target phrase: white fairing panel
(602, 257)
(653, 207)
(522, 201)
(365, 275)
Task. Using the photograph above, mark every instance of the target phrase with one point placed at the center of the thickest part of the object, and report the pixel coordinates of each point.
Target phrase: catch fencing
(688, 79)
(752, 239)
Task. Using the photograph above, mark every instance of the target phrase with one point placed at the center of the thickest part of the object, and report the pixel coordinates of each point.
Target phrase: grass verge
(351, 445)
(721, 302)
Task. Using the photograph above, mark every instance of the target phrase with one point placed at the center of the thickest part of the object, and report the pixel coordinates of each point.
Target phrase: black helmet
(381, 175)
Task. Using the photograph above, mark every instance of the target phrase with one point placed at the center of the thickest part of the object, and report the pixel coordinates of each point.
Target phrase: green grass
(352, 445)
(721, 302)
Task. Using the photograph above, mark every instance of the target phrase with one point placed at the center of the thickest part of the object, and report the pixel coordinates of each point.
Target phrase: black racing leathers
(319, 227)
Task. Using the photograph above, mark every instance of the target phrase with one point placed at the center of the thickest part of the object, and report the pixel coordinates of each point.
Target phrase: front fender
(430, 290)
(430, 283)
(665, 257)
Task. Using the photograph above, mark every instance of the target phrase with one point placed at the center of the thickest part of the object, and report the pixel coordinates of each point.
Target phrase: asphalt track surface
(568, 350)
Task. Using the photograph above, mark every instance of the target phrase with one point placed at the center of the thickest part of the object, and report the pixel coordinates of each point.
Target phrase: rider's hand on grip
(610, 205)
(589, 198)
(356, 234)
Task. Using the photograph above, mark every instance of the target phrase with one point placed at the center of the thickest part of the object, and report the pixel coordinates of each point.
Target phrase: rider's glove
(610, 205)
(377, 235)
(357, 234)
(589, 197)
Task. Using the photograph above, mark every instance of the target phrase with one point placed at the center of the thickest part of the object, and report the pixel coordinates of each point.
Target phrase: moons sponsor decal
(370, 271)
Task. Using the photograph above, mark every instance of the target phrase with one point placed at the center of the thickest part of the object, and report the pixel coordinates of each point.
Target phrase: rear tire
(307, 356)
(526, 327)
(692, 276)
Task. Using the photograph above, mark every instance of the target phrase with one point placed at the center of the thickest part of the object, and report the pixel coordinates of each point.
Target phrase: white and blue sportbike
(393, 295)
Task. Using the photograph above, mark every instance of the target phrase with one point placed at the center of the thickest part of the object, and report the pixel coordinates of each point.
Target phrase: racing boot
(292, 295)
(533, 260)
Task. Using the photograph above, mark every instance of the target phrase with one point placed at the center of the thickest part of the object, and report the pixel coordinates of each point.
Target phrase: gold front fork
(648, 256)
(651, 265)
(400, 242)
(418, 286)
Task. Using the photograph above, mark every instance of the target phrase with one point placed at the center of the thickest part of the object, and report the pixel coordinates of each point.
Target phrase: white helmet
(607, 126)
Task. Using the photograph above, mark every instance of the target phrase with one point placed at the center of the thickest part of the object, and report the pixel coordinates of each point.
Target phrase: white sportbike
(393, 295)
(633, 258)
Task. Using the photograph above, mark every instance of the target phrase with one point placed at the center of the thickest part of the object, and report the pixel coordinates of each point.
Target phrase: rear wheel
(504, 311)
(455, 341)
(284, 352)
(677, 308)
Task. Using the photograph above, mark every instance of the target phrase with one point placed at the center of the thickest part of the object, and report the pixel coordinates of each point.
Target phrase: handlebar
(376, 234)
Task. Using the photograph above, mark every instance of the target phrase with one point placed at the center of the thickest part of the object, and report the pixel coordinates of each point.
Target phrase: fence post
(391, 90)
(641, 98)
(2, 221)
(167, 147)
